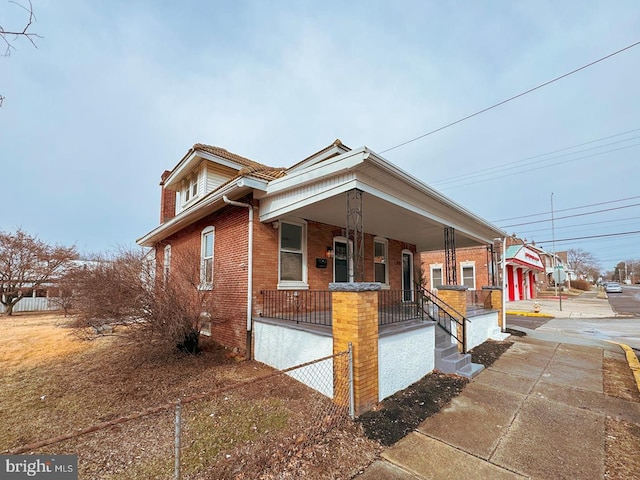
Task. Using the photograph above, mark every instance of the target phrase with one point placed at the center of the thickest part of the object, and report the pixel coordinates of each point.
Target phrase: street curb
(529, 314)
(632, 360)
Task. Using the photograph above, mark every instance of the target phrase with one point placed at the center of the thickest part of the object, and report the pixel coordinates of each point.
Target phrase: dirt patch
(401, 413)
(621, 449)
(618, 378)
(489, 352)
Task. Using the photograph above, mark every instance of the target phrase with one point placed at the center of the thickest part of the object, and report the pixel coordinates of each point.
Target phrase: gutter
(249, 271)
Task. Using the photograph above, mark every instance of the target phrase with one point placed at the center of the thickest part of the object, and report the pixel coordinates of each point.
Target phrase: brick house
(339, 215)
(476, 267)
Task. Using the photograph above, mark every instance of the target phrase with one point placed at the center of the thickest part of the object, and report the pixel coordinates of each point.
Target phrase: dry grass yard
(53, 383)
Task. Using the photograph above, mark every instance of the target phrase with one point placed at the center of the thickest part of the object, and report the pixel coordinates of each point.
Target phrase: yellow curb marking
(632, 360)
(528, 314)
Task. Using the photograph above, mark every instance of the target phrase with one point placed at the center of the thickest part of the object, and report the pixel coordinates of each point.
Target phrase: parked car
(613, 287)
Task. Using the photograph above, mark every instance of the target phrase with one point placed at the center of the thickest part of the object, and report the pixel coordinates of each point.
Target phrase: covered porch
(368, 202)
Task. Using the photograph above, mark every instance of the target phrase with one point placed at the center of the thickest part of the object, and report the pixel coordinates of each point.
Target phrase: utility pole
(556, 271)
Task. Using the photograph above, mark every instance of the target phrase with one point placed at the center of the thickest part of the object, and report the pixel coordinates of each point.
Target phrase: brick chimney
(167, 200)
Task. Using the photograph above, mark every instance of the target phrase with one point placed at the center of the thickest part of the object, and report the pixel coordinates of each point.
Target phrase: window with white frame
(380, 260)
(292, 262)
(167, 262)
(436, 276)
(206, 258)
(189, 189)
(468, 271)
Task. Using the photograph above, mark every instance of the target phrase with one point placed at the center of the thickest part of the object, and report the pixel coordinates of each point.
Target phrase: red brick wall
(230, 269)
(231, 263)
(470, 254)
(167, 200)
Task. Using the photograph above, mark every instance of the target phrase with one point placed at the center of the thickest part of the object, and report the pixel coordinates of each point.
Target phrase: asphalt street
(622, 325)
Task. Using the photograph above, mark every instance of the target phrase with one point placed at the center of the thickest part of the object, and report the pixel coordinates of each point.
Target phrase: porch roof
(395, 204)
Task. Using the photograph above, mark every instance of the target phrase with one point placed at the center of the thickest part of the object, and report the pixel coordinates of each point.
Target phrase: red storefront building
(522, 263)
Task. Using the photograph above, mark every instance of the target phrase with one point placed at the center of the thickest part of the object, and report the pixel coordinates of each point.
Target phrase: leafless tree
(9, 37)
(27, 263)
(583, 263)
(122, 289)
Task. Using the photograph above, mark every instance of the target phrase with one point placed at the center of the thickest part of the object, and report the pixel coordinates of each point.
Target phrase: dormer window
(189, 188)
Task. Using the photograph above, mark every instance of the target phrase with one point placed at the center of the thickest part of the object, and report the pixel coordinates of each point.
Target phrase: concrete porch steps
(449, 360)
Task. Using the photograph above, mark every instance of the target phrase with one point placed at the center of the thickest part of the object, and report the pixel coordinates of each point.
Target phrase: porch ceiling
(394, 204)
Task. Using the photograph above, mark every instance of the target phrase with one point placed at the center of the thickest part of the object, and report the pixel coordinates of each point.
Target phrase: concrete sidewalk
(538, 412)
(587, 305)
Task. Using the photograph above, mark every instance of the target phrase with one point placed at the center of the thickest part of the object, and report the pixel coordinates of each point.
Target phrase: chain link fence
(272, 427)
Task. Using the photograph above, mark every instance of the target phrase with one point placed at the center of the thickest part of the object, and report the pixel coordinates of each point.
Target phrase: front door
(407, 276)
(341, 261)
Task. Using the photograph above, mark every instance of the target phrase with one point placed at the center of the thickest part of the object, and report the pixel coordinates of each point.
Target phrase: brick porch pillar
(355, 321)
(456, 297)
(494, 301)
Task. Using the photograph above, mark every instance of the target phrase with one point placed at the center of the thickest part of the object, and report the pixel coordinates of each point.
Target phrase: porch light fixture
(275, 224)
(329, 252)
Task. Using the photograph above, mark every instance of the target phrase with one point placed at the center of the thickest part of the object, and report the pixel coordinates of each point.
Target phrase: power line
(547, 166)
(578, 225)
(572, 216)
(592, 236)
(567, 209)
(524, 162)
(512, 98)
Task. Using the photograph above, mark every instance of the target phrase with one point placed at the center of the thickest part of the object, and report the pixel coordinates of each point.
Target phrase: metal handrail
(443, 314)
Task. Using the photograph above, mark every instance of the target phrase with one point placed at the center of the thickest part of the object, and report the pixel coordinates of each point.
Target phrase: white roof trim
(317, 158)
(190, 215)
(187, 164)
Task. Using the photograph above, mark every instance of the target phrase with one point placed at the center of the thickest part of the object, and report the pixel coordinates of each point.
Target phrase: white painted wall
(480, 328)
(404, 358)
(281, 347)
(33, 304)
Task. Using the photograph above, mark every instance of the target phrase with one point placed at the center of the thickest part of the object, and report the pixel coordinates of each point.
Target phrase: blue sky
(118, 91)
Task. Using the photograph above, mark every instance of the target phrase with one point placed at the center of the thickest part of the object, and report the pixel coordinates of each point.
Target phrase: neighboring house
(522, 264)
(555, 268)
(475, 267)
(46, 297)
(266, 233)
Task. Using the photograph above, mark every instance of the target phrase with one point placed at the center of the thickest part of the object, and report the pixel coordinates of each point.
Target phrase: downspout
(249, 272)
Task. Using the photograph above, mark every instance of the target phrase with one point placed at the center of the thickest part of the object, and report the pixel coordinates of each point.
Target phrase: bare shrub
(122, 289)
(581, 285)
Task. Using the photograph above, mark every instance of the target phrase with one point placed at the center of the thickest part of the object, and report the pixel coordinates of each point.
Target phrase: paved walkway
(587, 305)
(538, 412)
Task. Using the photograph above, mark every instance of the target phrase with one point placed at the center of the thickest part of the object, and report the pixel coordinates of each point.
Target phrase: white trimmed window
(166, 266)
(292, 262)
(436, 275)
(189, 189)
(206, 258)
(468, 274)
(381, 260)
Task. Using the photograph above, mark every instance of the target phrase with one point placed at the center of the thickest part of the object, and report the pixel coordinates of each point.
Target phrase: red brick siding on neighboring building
(478, 255)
